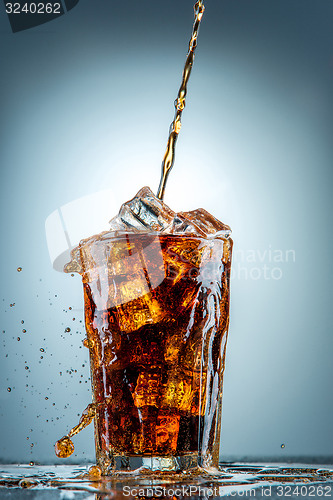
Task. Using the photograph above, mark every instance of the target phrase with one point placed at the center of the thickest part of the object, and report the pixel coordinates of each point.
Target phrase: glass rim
(113, 235)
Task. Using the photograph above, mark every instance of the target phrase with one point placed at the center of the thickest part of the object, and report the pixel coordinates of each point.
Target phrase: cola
(156, 315)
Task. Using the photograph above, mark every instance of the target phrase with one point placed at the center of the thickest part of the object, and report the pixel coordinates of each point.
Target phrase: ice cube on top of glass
(145, 212)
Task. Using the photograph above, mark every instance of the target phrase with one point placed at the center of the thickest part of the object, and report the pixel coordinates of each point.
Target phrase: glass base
(148, 465)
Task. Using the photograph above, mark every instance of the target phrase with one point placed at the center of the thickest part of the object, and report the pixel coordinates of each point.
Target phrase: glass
(157, 315)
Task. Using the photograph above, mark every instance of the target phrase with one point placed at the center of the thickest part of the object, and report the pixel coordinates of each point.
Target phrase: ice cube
(178, 391)
(142, 311)
(199, 222)
(147, 390)
(144, 212)
(167, 430)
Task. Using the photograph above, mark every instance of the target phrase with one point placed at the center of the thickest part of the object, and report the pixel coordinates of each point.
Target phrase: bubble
(9, 389)
(64, 447)
(19, 269)
(67, 329)
(94, 472)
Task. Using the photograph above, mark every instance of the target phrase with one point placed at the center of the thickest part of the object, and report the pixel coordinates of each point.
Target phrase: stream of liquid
(169, 156)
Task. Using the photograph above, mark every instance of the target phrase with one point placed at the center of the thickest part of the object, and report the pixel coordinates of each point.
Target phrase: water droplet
(12, 305)
(283, 445)
(27, 483)
(42, 349)
(64, 447)
(95, 472)
(67, 329)
(31, 463)
(88, 343)
(22, 321)
(18, 338)
(70, 308)
(72, 274)
(26, 367)
(19, 269)
(9, 389)
(24, 331)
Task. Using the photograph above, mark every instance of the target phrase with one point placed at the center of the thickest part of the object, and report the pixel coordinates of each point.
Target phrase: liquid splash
(64, 448)
(234, 479)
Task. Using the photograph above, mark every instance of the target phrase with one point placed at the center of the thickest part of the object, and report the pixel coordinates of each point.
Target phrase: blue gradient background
(86, 102)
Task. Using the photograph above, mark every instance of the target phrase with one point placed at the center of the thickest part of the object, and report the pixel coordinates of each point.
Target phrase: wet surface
(234, 480)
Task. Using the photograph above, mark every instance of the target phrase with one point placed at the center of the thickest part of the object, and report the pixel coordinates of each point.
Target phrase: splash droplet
(95, 472)
(64, 447)
(88, 343)
(27, 483)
